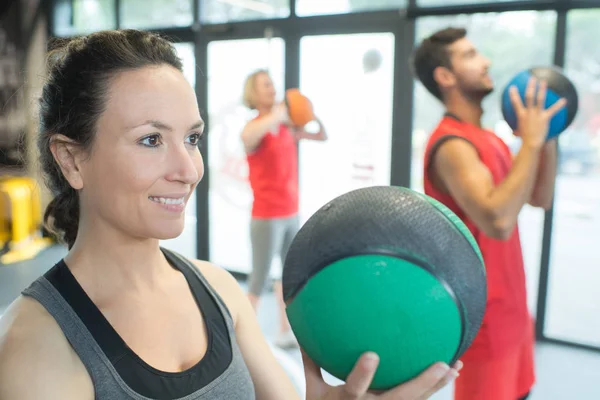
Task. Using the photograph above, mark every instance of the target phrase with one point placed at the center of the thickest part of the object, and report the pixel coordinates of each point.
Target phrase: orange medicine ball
(299, 107)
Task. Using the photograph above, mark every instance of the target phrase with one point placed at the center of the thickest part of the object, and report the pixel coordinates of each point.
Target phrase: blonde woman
(271, 148)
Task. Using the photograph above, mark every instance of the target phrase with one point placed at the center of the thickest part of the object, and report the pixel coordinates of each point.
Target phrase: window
(77, 17)
(349, 79)
(221, 11)
(512, 41)
(186, 52)
(230, 196)
(146, 14)
(321, 7)
(573, 296)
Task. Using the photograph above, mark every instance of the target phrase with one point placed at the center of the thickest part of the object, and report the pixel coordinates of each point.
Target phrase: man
(471, 171)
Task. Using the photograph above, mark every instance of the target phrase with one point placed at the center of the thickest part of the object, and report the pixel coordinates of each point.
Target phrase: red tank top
(506, 316)
(273, 175)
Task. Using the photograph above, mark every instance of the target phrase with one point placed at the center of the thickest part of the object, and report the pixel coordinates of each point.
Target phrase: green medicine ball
(389, 270)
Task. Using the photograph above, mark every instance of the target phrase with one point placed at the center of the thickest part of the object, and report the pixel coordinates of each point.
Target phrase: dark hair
(432, 53)
(74, 97)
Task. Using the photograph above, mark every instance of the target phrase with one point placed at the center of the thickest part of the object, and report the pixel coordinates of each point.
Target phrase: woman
(271, 148)
(119, 317)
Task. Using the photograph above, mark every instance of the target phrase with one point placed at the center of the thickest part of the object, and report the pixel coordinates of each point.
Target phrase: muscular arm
(543, 191)
(270, 380)
(494, 209)
(36, 360)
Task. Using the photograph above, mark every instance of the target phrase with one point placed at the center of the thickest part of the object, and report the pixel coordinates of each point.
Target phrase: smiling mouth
(167, 200)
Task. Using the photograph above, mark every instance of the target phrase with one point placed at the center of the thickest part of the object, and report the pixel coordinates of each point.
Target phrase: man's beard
(477, 94)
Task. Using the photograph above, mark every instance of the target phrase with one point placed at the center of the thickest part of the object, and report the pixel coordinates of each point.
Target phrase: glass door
(350, 80)
(230, 196)
(573, 307)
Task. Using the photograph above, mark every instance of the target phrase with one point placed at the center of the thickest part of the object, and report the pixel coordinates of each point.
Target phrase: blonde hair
(250, 88)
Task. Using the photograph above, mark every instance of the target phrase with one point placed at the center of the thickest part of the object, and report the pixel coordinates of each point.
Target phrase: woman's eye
(151, 141)
(195, 139)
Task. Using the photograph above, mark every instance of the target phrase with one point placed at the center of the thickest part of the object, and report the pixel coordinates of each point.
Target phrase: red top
(506, 316)
(273, 174)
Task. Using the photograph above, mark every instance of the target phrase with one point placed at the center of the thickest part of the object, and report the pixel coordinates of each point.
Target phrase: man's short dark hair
(432, 53)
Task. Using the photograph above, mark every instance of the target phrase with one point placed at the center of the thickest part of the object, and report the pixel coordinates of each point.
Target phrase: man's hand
(533, 120)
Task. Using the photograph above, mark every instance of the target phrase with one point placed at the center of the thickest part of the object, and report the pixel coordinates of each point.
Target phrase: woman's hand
(356, 387)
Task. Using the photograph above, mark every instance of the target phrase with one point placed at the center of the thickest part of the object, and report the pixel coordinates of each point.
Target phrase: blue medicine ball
(559, 86)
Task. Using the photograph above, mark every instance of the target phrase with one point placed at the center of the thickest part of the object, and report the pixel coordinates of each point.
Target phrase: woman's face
(145, 161)
(264, 91)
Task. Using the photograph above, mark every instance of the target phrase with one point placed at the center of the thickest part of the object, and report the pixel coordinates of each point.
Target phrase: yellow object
(28, 252)
(21, 219)
(35, 199)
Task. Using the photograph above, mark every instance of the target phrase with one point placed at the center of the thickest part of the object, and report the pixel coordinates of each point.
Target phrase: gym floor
(563, 373)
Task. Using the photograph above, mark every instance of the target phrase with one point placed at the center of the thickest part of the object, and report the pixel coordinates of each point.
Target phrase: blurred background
(351, 58)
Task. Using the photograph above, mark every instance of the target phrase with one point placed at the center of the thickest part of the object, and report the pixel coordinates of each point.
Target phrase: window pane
(84, 16)
(573, 296)
(349, 79)
(512, 41)
(321, 7)
(230, 196)
(186, 52)
(186, 243)
(145, 14)
(221, 11)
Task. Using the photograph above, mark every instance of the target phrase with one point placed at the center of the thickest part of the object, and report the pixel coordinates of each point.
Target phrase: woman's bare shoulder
(225, 284)
(25, 324)
(36, 359)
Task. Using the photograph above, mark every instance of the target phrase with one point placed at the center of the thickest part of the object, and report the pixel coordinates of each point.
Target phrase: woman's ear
(68, 156)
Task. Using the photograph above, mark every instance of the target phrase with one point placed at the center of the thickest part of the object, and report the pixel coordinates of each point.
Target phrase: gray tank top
(234, 383)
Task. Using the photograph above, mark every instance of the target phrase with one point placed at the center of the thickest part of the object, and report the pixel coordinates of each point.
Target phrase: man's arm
(543, 191)
(494, 209)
